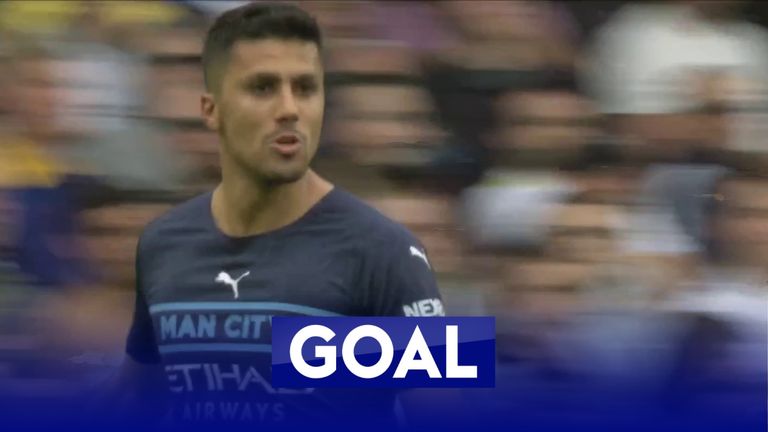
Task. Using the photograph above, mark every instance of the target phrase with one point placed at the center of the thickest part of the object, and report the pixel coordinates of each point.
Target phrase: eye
(261, 88)
(306, 88)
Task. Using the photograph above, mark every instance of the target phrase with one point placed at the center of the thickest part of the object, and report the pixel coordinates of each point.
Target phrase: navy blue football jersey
(204, 304)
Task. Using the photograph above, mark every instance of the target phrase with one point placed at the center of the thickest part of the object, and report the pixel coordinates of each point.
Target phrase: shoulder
(370, 225)
(188, 215)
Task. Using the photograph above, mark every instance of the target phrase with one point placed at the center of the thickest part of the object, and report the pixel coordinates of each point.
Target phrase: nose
(287, 110)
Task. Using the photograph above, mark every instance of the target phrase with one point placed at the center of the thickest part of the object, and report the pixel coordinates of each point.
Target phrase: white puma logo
(420, 254)
(225, 278)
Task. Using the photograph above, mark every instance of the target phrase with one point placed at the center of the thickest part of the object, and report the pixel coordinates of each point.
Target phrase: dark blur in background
(592, 173)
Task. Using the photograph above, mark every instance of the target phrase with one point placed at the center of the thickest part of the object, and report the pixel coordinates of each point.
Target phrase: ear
(210, 111)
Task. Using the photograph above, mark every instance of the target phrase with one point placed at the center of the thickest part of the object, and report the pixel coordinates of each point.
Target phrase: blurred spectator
(416, 24)
(105, 90)
(57, 17)
(599, 269)
(621, 334)
(669, 216)
(498, 47)
(729, 285)
(47, 17)
(509, 211)
(141, 13)
(373, 120)
(344, 21)
(213, 8)
(544, 127)
(682, 77)
(379, 113)
(45, 244)
(697, 332)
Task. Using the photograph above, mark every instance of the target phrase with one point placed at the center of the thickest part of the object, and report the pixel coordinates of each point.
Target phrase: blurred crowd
(590, 173)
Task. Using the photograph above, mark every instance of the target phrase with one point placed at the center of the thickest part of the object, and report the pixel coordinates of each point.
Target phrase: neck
(243, 207)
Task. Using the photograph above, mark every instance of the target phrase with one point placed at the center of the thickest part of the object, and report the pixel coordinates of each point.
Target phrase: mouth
(287, 144)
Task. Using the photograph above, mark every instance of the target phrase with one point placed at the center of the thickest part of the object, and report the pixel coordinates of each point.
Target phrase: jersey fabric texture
(204, 303)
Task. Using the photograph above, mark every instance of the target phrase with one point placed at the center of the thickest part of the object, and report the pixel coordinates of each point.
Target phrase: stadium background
(557, 159)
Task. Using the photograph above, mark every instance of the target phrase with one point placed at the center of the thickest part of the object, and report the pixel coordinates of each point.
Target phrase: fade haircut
(254, 21)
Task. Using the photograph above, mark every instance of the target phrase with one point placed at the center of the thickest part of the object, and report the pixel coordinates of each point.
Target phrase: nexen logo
(383, 352)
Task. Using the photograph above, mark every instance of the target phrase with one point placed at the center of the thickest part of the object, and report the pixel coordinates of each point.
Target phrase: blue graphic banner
(386, 352)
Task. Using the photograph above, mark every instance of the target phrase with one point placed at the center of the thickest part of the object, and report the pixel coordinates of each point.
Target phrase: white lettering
(221, 376)
(452, 367)
(229, 330)
(187, 412)
(256, 322)
(417, 345)
(424, 308)
(416, 356)
(187, 327)
(229, 410)
(172, 377)
(214, 377)
(253, 376)
(247, 413)
(279, 412)
(262, 408)
(187, 378)
(210, 411)
(168, 327)
(328, 353)
(208, 376)
(206, 326)
(348, 351)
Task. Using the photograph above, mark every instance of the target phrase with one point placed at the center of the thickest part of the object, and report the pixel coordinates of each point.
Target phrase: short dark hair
(255, 21)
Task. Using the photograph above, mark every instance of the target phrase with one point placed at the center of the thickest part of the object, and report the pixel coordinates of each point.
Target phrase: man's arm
(403, 280)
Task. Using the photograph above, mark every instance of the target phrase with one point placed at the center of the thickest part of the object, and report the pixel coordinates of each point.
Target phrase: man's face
(35, 92)
(269, 107)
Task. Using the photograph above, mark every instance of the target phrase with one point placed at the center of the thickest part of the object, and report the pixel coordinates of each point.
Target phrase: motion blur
(593, 174)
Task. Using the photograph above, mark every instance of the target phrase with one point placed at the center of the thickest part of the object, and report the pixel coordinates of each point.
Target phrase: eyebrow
(273, 77)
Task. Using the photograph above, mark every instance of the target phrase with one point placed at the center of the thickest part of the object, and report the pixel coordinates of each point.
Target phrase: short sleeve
(402, 281)
(141, 345)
